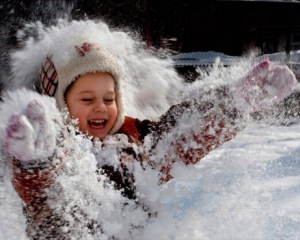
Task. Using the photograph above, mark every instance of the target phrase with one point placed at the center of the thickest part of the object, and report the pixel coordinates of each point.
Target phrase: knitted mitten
(30, 136)
(263, 85)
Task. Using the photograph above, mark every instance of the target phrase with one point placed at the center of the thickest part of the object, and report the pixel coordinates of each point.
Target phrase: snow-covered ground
(247, 189)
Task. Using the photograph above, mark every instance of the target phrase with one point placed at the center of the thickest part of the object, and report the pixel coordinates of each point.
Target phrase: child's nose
(100, 107)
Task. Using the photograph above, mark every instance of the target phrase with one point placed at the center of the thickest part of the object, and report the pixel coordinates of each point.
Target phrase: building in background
(228, 26)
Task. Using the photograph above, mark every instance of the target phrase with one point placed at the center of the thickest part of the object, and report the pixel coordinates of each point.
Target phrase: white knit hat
(56, 76)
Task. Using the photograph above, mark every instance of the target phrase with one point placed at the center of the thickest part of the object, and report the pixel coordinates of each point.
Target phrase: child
(87, 84)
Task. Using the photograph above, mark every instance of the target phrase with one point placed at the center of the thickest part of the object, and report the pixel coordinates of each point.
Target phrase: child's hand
(263, 85)
(30, 136)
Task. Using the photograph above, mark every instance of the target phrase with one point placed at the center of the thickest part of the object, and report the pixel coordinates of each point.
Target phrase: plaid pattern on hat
(48, 77)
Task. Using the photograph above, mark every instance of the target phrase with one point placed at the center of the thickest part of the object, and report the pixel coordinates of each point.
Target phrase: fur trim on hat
(84, 58)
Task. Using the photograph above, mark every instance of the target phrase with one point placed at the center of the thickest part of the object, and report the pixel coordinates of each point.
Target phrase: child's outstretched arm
(29, 135)
(190, 130)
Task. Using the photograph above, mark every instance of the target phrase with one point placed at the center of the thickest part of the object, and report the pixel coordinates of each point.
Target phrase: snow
(249, 188)
(255, 185)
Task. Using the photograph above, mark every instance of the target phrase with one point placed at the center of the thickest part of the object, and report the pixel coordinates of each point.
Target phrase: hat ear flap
(48, 78)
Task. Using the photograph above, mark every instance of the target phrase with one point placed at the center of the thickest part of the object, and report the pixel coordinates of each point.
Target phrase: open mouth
(97, 123)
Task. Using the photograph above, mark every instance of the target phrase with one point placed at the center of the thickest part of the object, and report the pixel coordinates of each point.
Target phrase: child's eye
(86, 99)
(109, 100)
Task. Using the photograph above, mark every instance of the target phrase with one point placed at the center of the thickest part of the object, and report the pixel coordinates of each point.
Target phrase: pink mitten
(30, 136)
(264, 85)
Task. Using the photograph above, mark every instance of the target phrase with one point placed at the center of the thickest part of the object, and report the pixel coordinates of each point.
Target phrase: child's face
(92, 100)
